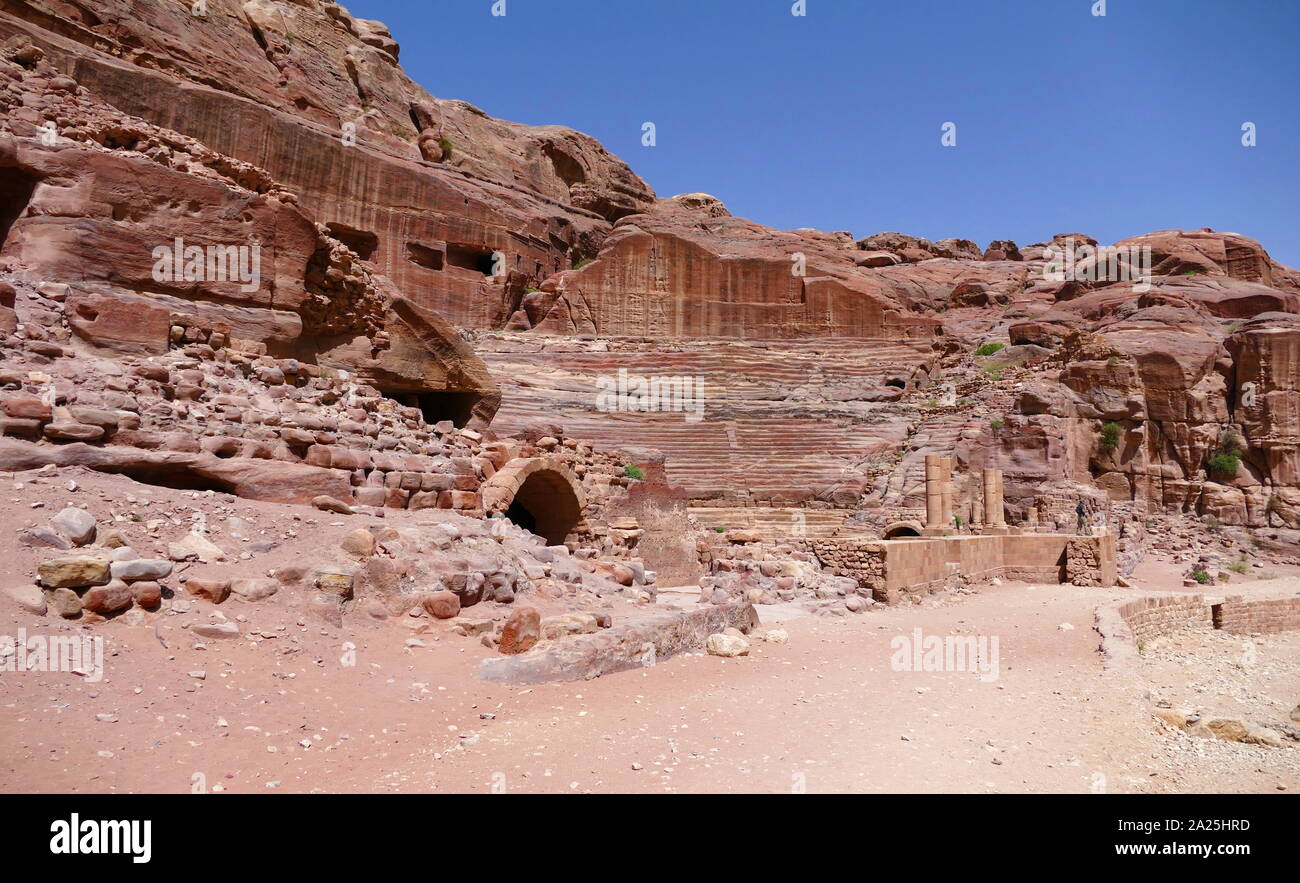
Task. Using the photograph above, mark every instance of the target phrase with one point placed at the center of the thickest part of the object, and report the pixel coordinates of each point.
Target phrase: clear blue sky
(1066, 122)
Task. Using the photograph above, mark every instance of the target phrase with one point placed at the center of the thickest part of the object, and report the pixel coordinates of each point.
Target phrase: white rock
(727, 645)
(76, 524)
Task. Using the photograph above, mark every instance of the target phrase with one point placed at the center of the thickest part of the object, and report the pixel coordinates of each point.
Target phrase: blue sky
(1066, 122)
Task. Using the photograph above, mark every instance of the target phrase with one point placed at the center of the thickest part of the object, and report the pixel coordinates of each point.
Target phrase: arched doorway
(903, 531)
(541, 495)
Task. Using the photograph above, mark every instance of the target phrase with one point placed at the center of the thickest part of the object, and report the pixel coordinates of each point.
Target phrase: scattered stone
(521, 632)
(108, 599)
(77, 525)
(149, 569)
(727, 645)
(254, 589)
(28, 598)
(214, 590)
(442, 605)
(75, 573)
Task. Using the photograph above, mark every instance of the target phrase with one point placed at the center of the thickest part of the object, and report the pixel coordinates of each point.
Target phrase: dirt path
(825, 712)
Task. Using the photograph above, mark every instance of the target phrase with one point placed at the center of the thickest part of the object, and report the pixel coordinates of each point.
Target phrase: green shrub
(1111, 434)
(634, 473)
(1200, 576)
(448, 147)
(720, 529)
(1224, 464)
(1239, 566)
(582, 263)
(989, 349)
(996, 425)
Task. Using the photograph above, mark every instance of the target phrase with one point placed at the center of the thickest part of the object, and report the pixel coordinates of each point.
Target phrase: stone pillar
(947, 492)
(934, 492)
(994, 514)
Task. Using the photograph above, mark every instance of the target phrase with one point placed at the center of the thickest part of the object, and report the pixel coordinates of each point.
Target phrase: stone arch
(540, 494)
(903, 530)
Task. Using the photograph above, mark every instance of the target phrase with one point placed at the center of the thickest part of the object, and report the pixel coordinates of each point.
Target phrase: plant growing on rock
(1111, 434)
(1227, 460)
(448, 147)
(1201, 576)
(989, 349)
(634, 472)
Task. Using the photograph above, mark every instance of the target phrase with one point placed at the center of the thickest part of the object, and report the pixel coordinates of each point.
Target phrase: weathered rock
(64, 602)
(214, 590)
(28, 598)
(74, 572)
(442, 605)
(108, 599)
(521, 632)
(727, 645)
(254, 589)
(565, 625)
(359, 543)
(147, 594)
(135, 570)
(77, 525)
(216, 630)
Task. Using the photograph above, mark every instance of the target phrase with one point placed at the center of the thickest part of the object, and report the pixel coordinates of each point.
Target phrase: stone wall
(1241, 617)
(1160, 616)
(893, 569)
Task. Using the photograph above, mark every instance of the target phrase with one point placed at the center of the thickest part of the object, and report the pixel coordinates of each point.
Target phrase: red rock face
(389, 220)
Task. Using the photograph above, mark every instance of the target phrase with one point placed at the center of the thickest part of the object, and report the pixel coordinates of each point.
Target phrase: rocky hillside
(478, 270)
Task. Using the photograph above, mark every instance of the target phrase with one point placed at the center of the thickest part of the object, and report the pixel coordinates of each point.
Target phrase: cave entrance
(471, 259)
(16, 189)
(458, 407)
(902, 532)
(546, 506)
(363, 243)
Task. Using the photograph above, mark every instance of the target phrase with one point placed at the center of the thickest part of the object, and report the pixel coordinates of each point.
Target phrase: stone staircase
(783, 422)
(772, 523)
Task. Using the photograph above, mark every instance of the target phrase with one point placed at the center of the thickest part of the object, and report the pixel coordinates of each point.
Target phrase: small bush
(933, 403)
(634, 473)
(989, 349)
(1200, 576)
(582, 263)
(1224, 464)
(1239, 566)
(996, 425)
(448, 147)
(720, 529)
(1111, 434)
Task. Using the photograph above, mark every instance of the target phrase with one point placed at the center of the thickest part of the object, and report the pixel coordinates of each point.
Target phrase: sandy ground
(301, 706)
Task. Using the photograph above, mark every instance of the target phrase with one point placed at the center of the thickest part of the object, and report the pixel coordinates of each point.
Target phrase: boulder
(108, 599)
(28, 598)
(214, 590)
(77, 525)
(74, 573)
(521, 632)
(442, 605)
(150, 569)
(254, 589)
(727, 645)
(64, 602)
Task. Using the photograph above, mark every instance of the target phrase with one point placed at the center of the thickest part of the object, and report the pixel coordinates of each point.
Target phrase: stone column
(947, 492)
(994, 515)
(934, 492)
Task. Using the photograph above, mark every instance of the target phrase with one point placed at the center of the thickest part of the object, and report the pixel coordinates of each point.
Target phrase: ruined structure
(261, 261)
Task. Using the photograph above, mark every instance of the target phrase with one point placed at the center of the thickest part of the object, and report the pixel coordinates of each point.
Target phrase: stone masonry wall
(1257, 617)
